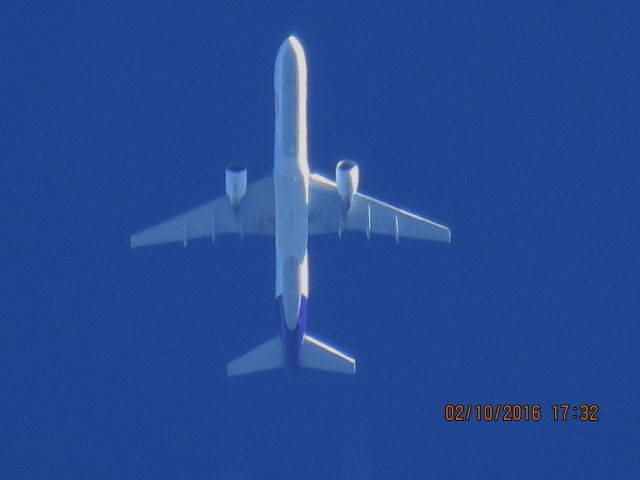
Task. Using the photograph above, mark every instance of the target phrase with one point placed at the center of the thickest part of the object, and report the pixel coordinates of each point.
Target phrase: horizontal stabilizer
(264, 357)
(318, 355)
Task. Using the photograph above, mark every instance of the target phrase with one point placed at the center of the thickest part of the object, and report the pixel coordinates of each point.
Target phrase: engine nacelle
(347, 178)
(235, 182)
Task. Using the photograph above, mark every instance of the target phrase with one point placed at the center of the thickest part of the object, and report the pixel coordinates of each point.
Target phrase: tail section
(264, 357)
(318, 355)
(313, 354)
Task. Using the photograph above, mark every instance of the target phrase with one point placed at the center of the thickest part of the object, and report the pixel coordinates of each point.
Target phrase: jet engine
(347, 178)
(235, 182)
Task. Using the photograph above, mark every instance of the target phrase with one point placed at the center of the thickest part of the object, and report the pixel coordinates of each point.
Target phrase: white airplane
(292, 204)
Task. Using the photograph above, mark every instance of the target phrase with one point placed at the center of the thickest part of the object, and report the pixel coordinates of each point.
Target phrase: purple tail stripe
(292, 339)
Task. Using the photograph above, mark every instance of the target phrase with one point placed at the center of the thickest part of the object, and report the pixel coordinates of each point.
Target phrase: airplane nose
(290, 62)
(293, 42)
(288, 47)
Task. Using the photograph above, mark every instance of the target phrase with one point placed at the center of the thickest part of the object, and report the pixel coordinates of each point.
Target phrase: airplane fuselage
(291, 184)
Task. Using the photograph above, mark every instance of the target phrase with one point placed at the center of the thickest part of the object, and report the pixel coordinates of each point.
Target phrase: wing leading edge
(366, 214)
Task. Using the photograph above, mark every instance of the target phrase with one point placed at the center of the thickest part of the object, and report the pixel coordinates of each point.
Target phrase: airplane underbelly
(292, 221)
(292, 224)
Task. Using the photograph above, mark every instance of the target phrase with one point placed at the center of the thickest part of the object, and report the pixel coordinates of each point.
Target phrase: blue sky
(514, 124)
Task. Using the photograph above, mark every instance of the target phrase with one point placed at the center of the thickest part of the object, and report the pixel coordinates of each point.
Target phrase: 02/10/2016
(514, 412)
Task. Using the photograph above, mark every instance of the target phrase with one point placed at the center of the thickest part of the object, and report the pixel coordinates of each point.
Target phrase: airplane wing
(255, 215)
(368, 215)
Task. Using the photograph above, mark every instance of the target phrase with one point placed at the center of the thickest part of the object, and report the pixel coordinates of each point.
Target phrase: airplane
(292, 204)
